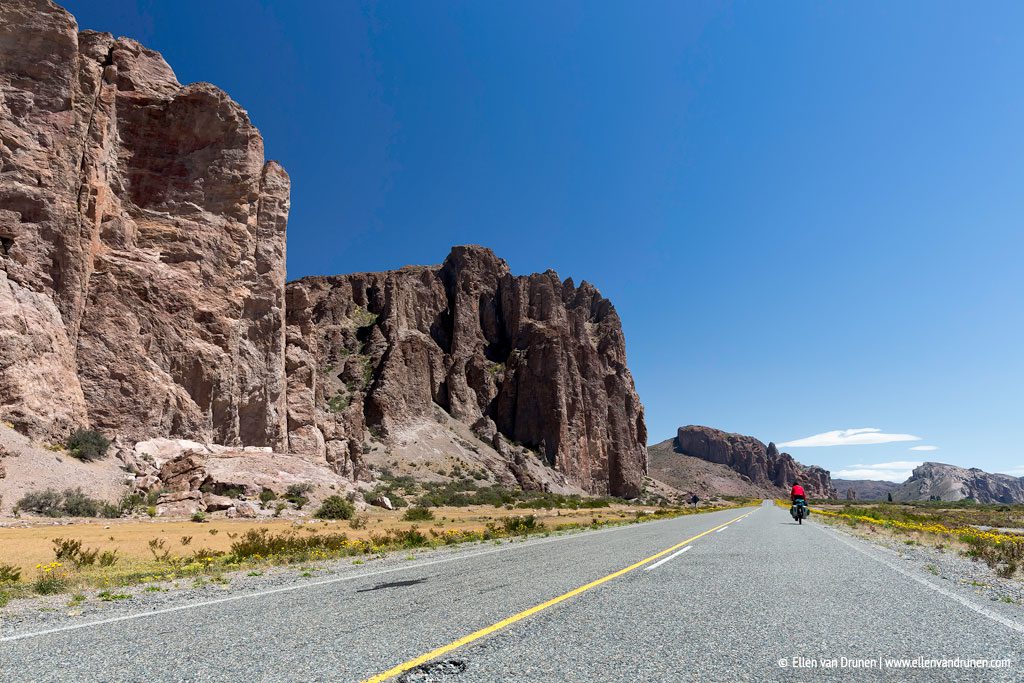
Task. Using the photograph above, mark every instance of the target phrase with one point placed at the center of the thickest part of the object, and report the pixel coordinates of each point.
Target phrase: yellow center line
(505, 623)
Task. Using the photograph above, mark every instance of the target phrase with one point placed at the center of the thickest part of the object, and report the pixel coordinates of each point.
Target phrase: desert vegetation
(468, 490)
(172, 558)
(986, 532)
(87, 445)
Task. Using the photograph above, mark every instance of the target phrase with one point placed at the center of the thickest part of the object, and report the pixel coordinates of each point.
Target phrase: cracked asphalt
(761, 599)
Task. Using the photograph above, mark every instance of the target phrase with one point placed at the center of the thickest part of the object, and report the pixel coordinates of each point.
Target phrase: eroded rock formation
(762, 465)
(142, 293)
(142, 244)
(532, 363)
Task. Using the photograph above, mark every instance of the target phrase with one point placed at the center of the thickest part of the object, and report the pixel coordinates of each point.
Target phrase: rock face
(934, 480)
(142, 244)
(530, 362)
(762, 465)
(142, 293)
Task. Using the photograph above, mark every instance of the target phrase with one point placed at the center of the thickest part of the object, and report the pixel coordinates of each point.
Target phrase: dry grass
(27, 547)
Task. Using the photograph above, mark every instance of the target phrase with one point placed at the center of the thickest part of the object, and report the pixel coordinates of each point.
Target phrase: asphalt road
(744, 601)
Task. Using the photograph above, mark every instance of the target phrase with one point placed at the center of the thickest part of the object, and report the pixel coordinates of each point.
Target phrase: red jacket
(797, 492)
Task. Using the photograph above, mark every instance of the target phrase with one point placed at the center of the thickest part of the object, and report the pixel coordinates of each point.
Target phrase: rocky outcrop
(864, 489)
(760, 464)
(142, 242)
(194, 477)
(938, 481)
(534, 364)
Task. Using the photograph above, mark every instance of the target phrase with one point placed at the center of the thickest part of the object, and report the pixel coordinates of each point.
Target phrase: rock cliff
(761, 465)
(534, 365)
(142, 293)
(949, 482)
(142, 244)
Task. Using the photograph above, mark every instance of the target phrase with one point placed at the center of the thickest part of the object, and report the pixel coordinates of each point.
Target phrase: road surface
(734, 595)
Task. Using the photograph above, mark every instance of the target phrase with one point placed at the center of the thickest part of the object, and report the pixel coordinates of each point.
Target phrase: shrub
(9, 573)
(71, 550)
(88, 444)
(296, 494)
(418, 514)
(77, 504)
(199, 516)
(266, 495)
(46, 503)
(522, 525)
(336, 507)
(52, 579)
(130, 502)
(108, 558)
(72, 502)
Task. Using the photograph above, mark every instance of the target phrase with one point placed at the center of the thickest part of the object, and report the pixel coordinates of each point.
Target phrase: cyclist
(798, 498)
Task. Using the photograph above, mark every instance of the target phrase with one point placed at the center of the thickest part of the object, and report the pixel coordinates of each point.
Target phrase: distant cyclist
(799, 508)
(797, 493)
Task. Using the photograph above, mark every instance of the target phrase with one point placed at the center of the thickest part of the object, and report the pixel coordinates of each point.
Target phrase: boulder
(180, 504)
(246, 509)
(215, 503)
(382, 501)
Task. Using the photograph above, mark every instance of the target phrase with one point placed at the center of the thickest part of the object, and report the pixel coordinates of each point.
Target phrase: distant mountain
(707, 459)
(949, 482)
(864, 489)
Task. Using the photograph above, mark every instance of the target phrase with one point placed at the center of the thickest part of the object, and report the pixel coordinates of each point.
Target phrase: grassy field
(49, 557)
(992, 533)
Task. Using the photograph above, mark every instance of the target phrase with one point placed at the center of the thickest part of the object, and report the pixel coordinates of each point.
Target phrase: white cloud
(924, 448)
(1015, 471)
(849, 437)
(898, 471)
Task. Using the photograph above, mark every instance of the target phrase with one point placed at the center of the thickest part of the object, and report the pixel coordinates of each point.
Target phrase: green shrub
(130, 503)
(418, 514)
(77, 504)
(296, 494)
(522, 525)
(88, 444)
(266, 495)
(50, 582)
(199, 516)
(71, 502)
(47, 503)
(336, 507)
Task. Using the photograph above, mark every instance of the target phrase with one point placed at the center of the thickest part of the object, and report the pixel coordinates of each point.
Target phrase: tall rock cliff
(142, 244)
(142, 293)
(762, 465)
(529, 362)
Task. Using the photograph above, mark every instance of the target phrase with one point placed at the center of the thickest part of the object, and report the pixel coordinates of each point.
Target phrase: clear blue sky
(809, 216)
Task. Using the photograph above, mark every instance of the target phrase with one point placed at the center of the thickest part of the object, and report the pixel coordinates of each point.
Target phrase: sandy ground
(31, 467)
(28, 542)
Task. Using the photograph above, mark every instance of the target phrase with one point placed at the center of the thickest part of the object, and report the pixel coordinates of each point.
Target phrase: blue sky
(809, 216)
